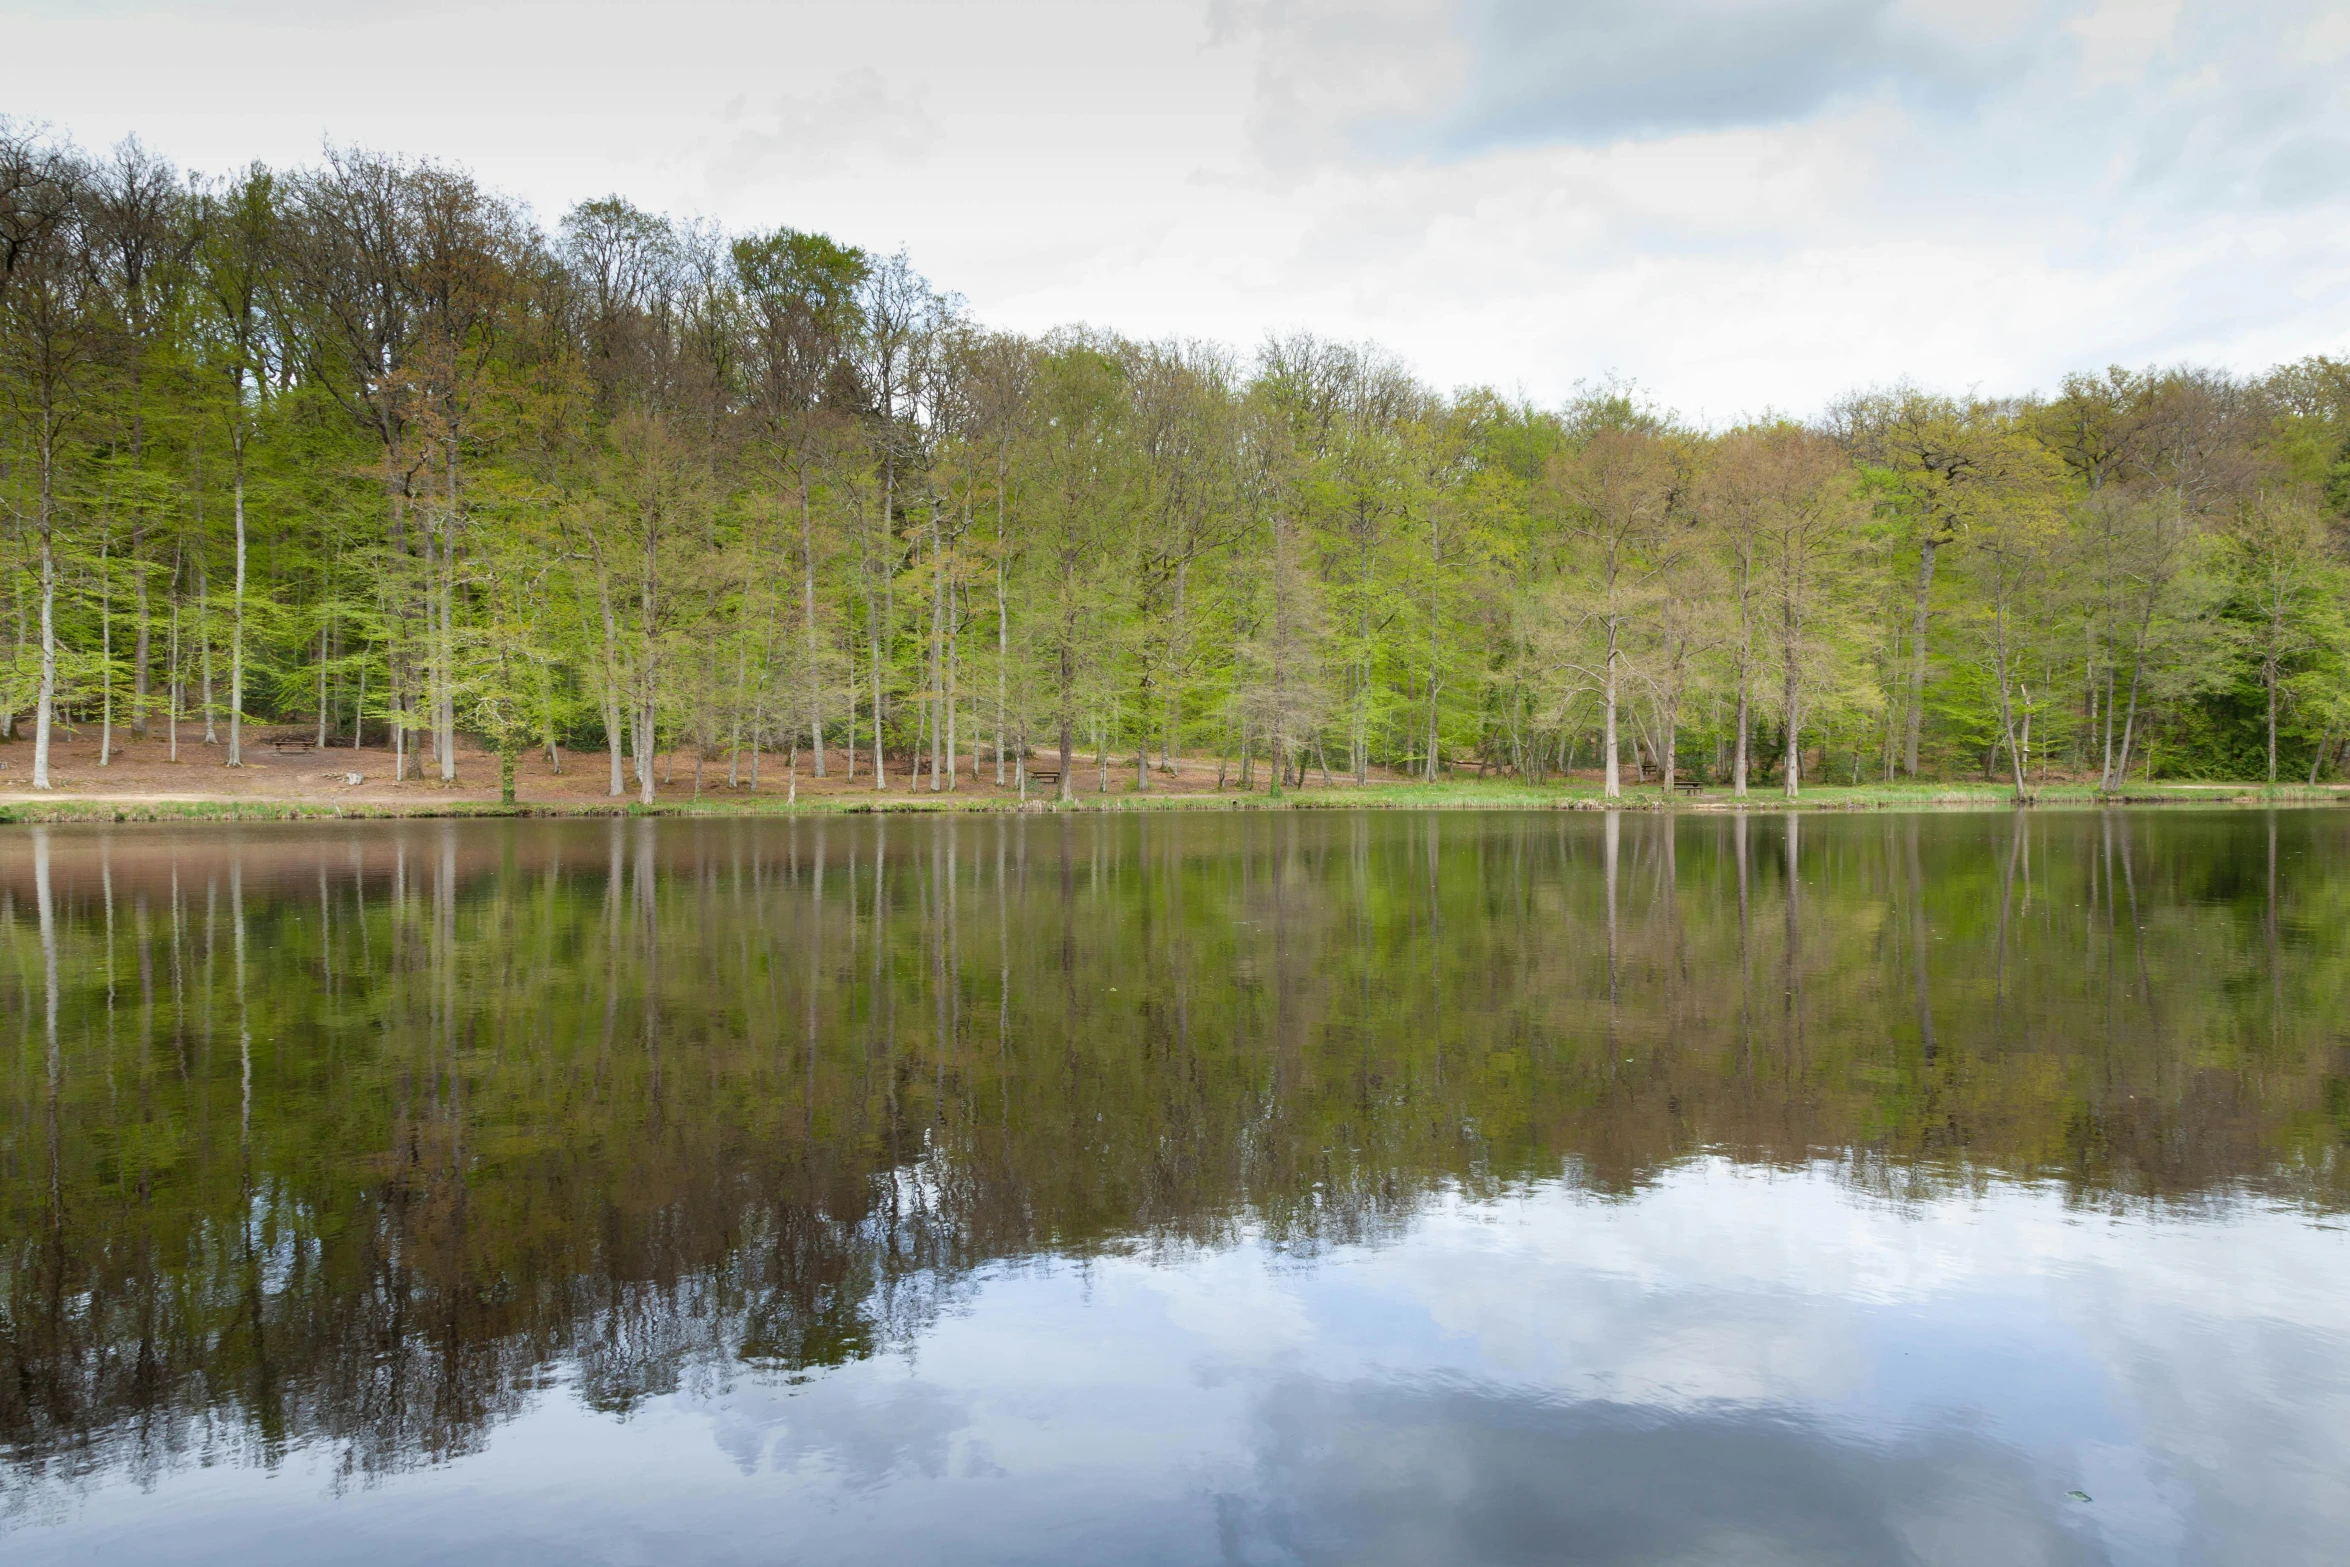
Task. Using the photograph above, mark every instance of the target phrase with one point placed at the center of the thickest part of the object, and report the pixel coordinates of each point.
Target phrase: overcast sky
(1736, 204)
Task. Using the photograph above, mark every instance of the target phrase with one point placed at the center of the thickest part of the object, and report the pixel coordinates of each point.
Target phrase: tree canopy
(362, 447)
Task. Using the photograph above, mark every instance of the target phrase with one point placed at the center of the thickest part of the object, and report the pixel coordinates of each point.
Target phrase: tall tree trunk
(742, 670)
(445, 702)
(548, 738)
(142, 639)
(811, 671)
(2121, 772)
(2105, 778)
(914, 753)
(8, 709)
(1742, 742)
(877, 630)
(1433, 746)
(938, 596)
(873, 637)
(1615, 787)
(1792, 696)
(172, 675)
(612, 737)
(1790, 664)
(1738, 756)
(236, 654)
(322, 629)
(47, 700)
(649, 664)
(105, 650)
(1068, 673)
(1003, 654)
(430, 694)
(848, 734)
(2269, 678)
(953, 651)
(647, 738)
(1177, 639)
(1669, 758)
(2015, 756)
(1917, 668)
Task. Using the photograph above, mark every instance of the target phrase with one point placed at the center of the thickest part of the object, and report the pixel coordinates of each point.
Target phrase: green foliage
(2337, 482)
(639, 483)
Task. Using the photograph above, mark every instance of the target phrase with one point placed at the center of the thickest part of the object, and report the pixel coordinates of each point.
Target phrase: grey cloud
(2305, 171)
(2023, 114)
(1594, 71)
(857, 118)
(862, 1435)
(1442, 1471)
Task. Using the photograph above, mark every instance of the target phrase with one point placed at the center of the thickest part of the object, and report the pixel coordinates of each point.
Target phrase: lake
(1293, 1187)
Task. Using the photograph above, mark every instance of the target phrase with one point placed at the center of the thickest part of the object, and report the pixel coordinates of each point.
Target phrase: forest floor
(143, 783)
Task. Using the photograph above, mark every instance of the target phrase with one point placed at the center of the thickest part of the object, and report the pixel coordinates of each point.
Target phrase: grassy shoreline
(1449, 795)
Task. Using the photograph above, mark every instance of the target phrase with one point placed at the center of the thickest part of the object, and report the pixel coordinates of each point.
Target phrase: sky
(1738, 206)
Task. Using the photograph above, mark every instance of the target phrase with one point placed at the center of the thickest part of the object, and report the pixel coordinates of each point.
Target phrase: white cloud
(1735, 205)
(2120, 37)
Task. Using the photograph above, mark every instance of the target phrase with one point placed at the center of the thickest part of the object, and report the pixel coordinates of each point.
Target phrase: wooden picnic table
(293, 742)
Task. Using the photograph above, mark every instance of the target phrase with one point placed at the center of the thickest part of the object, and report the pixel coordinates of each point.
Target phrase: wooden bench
(292, 742)
(1045, 775)
(1688, 786)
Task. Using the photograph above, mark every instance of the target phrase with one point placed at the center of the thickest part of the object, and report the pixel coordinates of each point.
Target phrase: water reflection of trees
(362, 1138)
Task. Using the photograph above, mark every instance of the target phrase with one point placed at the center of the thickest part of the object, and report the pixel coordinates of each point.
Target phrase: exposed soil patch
(143, 772)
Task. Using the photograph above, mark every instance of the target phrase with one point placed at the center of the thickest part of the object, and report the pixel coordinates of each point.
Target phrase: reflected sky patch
(1734, 1365)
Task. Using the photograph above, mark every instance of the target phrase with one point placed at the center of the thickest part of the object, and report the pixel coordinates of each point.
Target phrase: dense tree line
(361, 446)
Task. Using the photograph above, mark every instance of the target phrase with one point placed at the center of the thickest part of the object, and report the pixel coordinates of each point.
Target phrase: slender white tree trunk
(1003, 659)
(322, 626)
(812, 672)
(1615, 786)
(236, 654)
(105, 656)
(48, 696)
(172, 682)
(873, 635)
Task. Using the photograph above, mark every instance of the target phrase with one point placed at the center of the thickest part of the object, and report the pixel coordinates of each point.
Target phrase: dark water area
(1261, 1188)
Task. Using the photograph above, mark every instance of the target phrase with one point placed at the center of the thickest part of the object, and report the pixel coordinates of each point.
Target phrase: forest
(364, 448)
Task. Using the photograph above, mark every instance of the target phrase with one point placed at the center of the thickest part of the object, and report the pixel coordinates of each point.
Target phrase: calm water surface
(1288, 1188)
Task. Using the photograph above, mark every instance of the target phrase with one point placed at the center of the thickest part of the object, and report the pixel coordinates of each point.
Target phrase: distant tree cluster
(359, 446)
